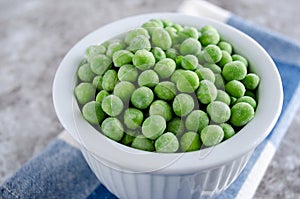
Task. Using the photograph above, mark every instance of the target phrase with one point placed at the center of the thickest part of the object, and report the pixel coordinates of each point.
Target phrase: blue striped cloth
(60, 171)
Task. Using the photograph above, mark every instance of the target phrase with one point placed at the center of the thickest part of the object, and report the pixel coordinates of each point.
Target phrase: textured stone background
(34, 37)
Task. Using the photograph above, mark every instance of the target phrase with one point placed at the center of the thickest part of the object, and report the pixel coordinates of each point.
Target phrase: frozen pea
(162, 108)
(212, 53)
(226, 58)
(112, 105)
(212, 135)
(158, 21)
(205, 73)
(222, 96)
(250, 94)
(235, 88)
(109, 81)
(201, 58)
(196, 121)
(178, 27)
(127, 139)
(183, 104)
(133, 118)
(223, 45)
(219, 81)
(234, 70)
(165, 67)
(101, 95)
(232, 100)
(83, 61)
(84, 92)
(219, 112)
(112, 128)
(190, 46)
(172, 53)
(228, 130)
(187, 32)
(115, 46)
(237, 57)
(158, 53)
(143, 59)
(165, 90)
(189, 62)
(95, 50)
(100, 64)
(138, 43)
(122, 57)
(153, 126)
(241, 114)
(176, 75)
(207, 92)
(161, 38)
(130, 35)
(176, 126)
(128, 73)
(213, 67)
(209, 35)
(151, 26)
(93, 112)
(97, 82)
(248, 100)
(85, 73)
(167, 23)
(142, 97)
(187, 81)
(148, 78)
(143, 143)
(166, 143)
(251, 81)
(124, 90)
(190, 141)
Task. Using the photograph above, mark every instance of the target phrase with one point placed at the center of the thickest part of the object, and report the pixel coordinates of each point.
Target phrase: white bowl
(131, 173)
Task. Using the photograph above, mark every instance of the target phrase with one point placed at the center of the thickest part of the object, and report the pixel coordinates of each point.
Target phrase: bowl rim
(128, 159)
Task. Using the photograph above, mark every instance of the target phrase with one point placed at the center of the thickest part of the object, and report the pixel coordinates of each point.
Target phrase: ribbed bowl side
(203, 184)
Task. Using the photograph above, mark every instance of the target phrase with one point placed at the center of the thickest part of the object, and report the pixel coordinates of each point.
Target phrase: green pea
(205, 73)
(190, 46)
(127, 139)
(209, 35)
(212, 135)
(101, 95)
(166, 143)
(115, 46)
(222, 96)
(190, 141)
(223, 45)
(165, 90)
(130, 35)
(167, 23)
(151, 26)
(133, 118)
(139, 43)
(97, 82)
(240, 58)
(93, 112)
(219, 82)
(112, 105)
(142, 97)
(153, 126)
(162, 108)
(83, 61)
(187, 32)
(165, 67)
(187, 81)
(95, 50)
(122, 57)
(85, 73)
(176, 126)
(124, 90)
(250, 94)
(148, 78)
(109, 81)
(234, 70)
(241, 114)
(228, 130)
(212, 53)
(178, 27)
(143, 143)
(207, 92)
(158, 21)
(213, 67)
(196, 121)
(128, 73)
(248, 100)
(84, 92)
(172, 53)
(158, 53)
(189, 62)
(235, 88)
(251, 81)
(112, 128)
(219, 112)
(161, 38)
(226, 58)
(100, 64)
(143, 59)
(183, 104)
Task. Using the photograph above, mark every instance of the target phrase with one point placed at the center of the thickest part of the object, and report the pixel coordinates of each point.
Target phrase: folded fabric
(60, 171)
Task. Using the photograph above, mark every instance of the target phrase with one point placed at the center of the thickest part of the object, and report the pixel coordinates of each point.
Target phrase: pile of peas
(167, 88)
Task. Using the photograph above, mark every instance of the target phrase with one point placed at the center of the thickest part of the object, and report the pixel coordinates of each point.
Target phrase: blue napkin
(60, 171)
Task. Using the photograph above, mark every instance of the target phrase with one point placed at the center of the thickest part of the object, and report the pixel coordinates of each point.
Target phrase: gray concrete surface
(34, 37)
